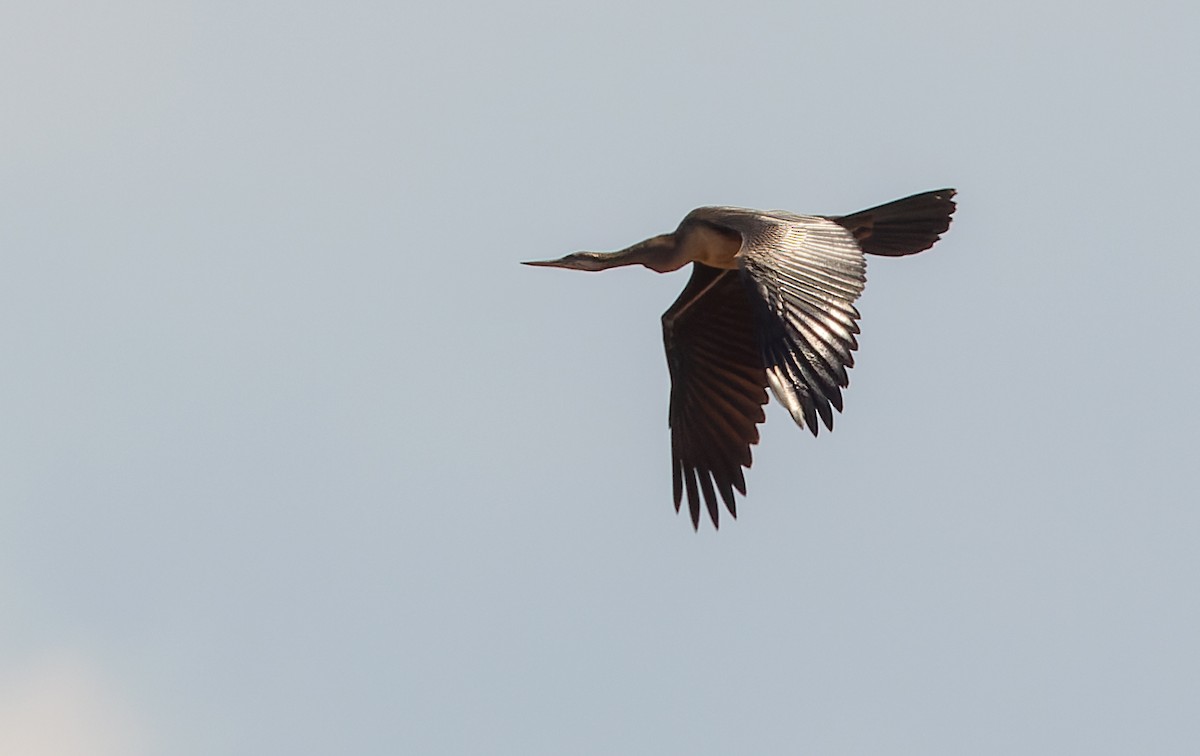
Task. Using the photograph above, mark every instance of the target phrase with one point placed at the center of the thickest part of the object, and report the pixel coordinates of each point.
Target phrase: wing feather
(718, 389)
(785, 319)
(804, 274)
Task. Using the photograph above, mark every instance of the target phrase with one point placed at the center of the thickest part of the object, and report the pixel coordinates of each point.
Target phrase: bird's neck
(658, 253)
(702, 243)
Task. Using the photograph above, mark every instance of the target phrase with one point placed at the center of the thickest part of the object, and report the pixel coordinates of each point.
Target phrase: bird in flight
(770, 303)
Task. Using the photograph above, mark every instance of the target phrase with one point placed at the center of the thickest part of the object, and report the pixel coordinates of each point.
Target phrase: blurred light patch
(62, 704)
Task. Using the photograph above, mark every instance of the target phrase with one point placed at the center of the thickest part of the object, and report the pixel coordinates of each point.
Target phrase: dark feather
(903, 227)
(718, 389)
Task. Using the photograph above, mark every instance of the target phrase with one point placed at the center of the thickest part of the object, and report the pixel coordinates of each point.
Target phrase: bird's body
(770, 304)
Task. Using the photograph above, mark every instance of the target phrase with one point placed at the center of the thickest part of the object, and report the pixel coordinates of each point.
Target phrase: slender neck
(659, 253)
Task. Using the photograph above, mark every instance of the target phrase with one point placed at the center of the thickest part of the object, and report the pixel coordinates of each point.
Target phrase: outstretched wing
(807, 272)
(803, 275)
(718, 388)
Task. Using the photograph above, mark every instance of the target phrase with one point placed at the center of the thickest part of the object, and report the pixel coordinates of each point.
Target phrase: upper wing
(805, 273)
(718, 388)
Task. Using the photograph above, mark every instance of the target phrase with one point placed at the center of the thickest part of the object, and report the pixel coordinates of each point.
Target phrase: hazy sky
(296, 459)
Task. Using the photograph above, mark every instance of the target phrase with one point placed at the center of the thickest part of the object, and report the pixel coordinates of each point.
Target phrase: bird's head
(576, 261)
(657, 253)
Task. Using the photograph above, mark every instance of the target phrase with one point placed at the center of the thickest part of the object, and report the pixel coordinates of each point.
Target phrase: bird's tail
(903, 227)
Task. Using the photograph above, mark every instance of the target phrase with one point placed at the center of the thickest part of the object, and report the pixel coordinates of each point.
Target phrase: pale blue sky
(296, 459)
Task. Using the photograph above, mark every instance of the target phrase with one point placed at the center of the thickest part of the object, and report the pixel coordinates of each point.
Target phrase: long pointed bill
(576, 261)
(559, 263)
